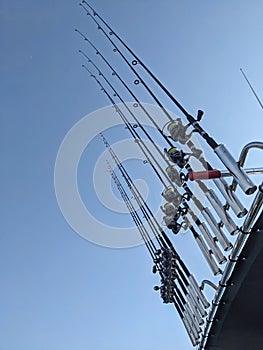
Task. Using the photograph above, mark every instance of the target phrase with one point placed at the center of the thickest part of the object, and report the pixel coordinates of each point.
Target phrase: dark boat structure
(228, 234)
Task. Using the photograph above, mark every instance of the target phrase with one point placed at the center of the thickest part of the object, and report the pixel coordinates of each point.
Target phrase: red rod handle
(204, 175)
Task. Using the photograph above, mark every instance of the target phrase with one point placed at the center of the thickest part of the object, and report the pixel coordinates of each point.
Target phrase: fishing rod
(194, 312)
(137, 60)
(116, 49)
(136, 218)
(169, 291)
(132, 210)
(170, 274)
(178, 196)
(175, 227)
(135, 193)
(131, 128)
(187, 324)
(126, 106)
(193, 149)
(197, 304)
(114, 72)
(161, 236)
(134, 132)
(221, 151)
(140, 142)
(185, 275)
(147, 134)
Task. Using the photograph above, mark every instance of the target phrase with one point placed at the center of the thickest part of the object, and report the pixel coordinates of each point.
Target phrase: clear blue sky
(58, 291)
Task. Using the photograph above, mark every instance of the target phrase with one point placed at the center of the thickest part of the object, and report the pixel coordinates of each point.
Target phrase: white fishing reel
(172, 196)
(173, 175)
(178, 131)
(169, 209)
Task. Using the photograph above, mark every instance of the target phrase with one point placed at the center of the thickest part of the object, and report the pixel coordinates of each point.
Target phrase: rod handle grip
(204, 175)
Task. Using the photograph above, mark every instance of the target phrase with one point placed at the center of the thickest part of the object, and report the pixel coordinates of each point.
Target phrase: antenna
(254, 92)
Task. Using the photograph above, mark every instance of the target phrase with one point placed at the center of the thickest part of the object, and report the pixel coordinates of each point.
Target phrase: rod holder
(231, 198)
(196, 300)
(220, 236)
(195, 286)
(227, 220)
(192, 318)
(211, 262)
(211, 243)
(196, 312)
(239, 174)
(191, 327)
(190, 334)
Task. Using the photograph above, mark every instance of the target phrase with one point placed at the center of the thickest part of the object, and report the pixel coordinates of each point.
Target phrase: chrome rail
(241, 240)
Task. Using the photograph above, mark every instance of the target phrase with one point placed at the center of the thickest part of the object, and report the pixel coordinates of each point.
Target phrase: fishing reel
(169, 209)
(171, 221)
(168, 268)
(181, 158)
(172, 196)
(169, 271)
(172, 224)
(177, 157)
(173, 175)
(178, 131)
(168, 264)
(167, 293)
